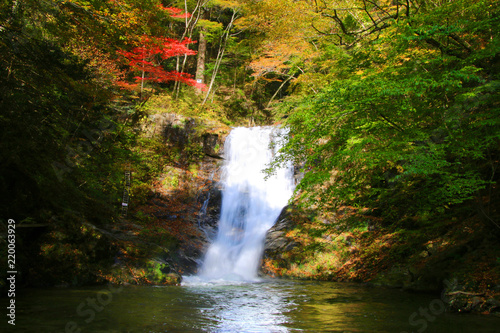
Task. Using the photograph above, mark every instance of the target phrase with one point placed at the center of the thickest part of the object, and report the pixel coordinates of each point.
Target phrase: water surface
(268, 306)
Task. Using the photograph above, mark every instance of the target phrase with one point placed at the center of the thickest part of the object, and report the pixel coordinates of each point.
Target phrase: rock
(276, 241)
(160, 123)
(210, 143)
(492, 304)
(424, 254)
(181, 131)
(291, 246)
(209, 215)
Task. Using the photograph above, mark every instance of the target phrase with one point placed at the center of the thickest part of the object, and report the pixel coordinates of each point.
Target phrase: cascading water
(250, 204)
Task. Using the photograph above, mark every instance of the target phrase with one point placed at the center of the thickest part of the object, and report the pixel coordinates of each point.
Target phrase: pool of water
(266, 306)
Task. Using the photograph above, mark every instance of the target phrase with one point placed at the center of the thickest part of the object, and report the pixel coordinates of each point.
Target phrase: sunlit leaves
(285, 26)
(226, 3)
(410, 111)
(147, 58)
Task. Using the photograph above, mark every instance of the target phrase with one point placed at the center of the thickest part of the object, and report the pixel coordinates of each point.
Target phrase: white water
(250, 205)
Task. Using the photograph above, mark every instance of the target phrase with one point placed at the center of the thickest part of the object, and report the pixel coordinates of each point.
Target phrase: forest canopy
(399, 108)
(384, 99)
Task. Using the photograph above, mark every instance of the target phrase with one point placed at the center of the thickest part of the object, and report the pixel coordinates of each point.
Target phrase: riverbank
(457, 257)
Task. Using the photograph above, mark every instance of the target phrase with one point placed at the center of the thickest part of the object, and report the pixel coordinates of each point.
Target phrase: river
(266, 306)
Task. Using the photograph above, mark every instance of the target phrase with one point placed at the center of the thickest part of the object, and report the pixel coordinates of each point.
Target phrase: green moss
(194, 168)
(159, 273)
(171, 178)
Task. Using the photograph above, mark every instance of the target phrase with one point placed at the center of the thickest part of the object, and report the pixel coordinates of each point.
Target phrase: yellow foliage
(286, 25)
(226, 3)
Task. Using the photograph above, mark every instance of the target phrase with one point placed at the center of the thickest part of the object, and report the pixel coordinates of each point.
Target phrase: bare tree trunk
(190, 24)
(200, 64)
(142, 76)
(279, 89)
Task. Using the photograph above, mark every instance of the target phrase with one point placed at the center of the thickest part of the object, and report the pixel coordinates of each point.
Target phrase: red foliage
(148, 57)
(151, 46)
(126, 86)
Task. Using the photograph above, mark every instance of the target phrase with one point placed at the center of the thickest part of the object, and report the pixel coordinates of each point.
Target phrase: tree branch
(277, 91)
(394, 125)
(441, 47)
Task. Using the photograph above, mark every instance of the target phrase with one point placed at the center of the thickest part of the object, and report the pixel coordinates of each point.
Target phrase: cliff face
(173, 215)
(277, 245)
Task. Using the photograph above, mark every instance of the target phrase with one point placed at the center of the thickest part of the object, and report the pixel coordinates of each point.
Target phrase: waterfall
(250, 204)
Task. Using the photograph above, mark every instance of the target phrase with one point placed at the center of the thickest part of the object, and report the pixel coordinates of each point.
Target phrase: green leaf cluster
(407, 122)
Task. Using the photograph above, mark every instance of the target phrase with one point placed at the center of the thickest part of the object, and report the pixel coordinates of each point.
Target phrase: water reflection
(269, 306)
(245, 307)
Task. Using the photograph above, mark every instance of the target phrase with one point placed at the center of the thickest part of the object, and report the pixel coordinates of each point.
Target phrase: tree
(190, 22)
(200, 62)
(220, 53)
(148, 58)
(408, 121)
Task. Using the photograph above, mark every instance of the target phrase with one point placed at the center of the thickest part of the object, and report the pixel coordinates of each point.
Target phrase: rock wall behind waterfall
(166, 221)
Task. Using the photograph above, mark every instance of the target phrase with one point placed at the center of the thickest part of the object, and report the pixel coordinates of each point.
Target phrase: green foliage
(140, 193)
(410, 124)
(188, 105)
(70, 255)
(155, 271)
(212, 30)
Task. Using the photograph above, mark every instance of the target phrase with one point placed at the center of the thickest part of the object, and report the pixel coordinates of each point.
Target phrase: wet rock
(187, 259)
(211, 145)
(397, 277)
(208, 218)
(493, 304)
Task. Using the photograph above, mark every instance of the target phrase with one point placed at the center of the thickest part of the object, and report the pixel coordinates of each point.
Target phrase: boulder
(277, 242)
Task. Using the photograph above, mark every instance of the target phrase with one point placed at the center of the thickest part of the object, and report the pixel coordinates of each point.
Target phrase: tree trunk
(200, 65)
(190, 24)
